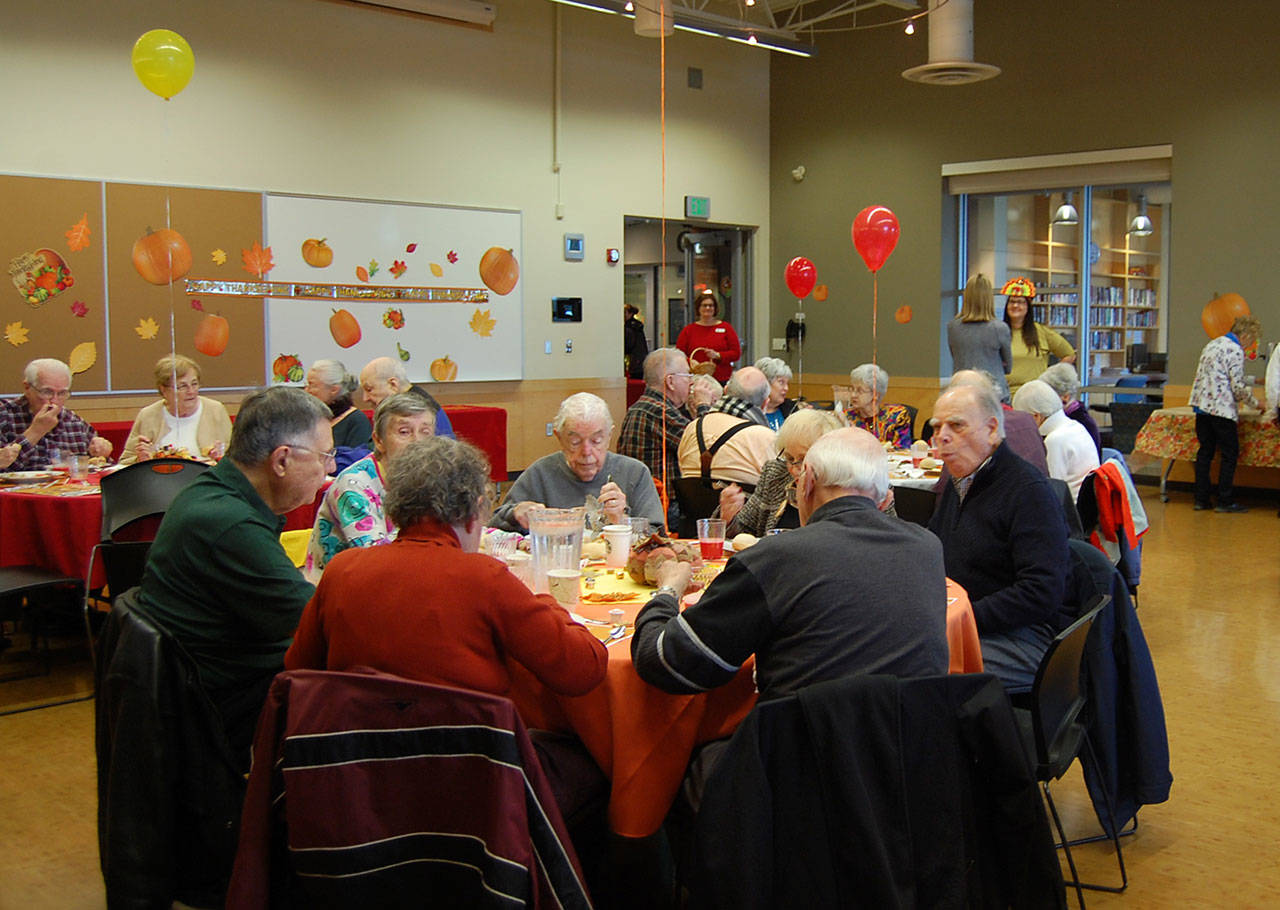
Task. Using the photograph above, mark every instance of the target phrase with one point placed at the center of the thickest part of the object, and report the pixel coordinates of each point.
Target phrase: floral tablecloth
(1171, 433)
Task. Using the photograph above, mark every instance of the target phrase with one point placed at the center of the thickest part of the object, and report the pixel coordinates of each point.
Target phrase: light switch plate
(779, 344)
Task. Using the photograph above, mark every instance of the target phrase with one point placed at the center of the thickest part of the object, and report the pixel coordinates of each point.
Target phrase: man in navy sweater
(1003, 535)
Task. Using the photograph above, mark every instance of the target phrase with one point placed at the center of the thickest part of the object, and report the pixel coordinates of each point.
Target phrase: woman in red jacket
(711, 337)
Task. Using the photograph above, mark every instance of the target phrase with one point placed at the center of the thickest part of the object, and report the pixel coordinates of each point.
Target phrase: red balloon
(875, 234)
(800, 276)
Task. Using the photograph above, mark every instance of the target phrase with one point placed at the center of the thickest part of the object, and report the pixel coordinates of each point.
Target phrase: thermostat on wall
(566, 309)
(574, 246)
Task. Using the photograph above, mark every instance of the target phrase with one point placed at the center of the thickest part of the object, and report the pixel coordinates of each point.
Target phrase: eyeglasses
(186, 386)
(791, 462)
(685, 375)
(330, 455)
(53, 394)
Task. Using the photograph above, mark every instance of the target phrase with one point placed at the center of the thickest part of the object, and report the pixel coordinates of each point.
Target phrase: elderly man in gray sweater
(583, 466)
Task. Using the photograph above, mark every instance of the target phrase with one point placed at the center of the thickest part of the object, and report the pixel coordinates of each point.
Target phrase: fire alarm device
(612, 256)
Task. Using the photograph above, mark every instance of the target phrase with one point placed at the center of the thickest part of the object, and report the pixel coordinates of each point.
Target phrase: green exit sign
(697, 206)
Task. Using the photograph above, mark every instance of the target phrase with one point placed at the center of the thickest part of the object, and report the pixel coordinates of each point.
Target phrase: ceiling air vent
(950, 25)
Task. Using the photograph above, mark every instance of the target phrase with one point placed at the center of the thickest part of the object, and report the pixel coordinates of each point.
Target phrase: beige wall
(1077, 76)
(312, 97)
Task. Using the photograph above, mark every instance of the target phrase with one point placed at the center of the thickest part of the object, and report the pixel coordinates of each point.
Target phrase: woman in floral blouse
(1218, 386)
(352, 514)
(887, 422)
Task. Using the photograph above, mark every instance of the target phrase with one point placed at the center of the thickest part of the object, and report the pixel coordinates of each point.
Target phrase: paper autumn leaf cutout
(15, 334)
(482, 323)
(79, 308)
(257, 261)
(219, 256)
(453, 257)
(197, 305)
(146, 328)
(437, 270)
(399, 268)
(410, 248)
(83, 356)
(373, 267)
(78, 234)
(362, 273)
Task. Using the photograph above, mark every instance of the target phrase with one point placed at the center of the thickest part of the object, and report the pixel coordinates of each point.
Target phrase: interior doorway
(661, 287)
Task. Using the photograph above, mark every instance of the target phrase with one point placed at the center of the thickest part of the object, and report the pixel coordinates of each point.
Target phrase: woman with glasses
(352, 512)
(770, 506)
(183, 422)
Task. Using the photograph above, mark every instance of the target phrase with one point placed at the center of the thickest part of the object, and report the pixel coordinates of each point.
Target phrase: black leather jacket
(169, 789)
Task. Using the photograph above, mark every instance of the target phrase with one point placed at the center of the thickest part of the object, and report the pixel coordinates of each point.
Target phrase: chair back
(914, 505)
(144, 489)
(1127, 418)
(1130, 382)
(696, 501)
(1069, 512)
(1056, 694)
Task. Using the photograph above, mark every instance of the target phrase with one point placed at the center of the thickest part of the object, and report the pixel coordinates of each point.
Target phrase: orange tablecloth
(643, 738)
(1171, 433)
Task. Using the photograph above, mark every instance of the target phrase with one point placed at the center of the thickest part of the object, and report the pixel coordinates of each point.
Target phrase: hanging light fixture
(1141, 225)
(1066, 213)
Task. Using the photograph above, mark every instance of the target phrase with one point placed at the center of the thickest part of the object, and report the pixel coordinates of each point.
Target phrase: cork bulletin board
(268, 284)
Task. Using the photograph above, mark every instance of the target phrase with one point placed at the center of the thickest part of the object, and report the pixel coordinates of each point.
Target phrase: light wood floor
(1210, 606)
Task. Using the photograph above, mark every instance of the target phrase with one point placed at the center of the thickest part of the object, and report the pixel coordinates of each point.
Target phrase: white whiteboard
(358, 232)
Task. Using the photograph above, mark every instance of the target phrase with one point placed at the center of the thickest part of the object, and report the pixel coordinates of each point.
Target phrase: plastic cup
(711, 537)
(639, 529)
(521, 566)
(565, 585)
(617, 545)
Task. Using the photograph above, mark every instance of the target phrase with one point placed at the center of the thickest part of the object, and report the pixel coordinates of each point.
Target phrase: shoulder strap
(708, 454)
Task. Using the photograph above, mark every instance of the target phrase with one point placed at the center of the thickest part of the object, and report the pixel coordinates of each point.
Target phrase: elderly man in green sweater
(217, 577)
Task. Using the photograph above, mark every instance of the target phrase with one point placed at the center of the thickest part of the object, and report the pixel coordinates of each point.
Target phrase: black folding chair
(1053, 734)
(914, 505)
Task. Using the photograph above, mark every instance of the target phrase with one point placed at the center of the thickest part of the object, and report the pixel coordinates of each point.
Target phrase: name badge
(720, 330)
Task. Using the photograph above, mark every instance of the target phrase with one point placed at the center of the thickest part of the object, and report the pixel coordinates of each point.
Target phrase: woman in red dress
(714, 335)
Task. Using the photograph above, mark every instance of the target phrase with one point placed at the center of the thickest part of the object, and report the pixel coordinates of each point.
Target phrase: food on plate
(931, 464)
(614, 597)
(744, 540)
(649, 555)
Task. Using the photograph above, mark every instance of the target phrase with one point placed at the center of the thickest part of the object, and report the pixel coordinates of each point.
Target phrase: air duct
(950, 47)
(653, 18)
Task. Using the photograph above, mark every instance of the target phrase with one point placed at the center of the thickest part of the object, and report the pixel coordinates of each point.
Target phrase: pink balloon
(800, 275)
(875, 234)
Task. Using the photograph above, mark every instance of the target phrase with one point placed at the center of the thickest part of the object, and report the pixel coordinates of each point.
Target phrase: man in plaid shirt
(667, 380)
(37, 423)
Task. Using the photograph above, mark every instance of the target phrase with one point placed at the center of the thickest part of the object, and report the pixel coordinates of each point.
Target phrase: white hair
(805, 427)
(870, 376)
(660, 363)
(707, 382)
(332, 372)
(844, 459)
(1063, 379)
(745, 385)
(986, 394)
(773, 368)
(1037, 397)
(584, 408)
(31, 375)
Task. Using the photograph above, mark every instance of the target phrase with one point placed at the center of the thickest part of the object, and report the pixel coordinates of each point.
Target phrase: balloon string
(662, 279)
(875, 345)
(168, 223)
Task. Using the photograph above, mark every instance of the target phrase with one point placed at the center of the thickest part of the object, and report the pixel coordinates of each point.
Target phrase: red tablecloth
(643, 738)
(635, 388)
(55, 532)
(482, 426)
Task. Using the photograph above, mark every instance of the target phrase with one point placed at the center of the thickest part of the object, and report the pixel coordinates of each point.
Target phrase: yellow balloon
(163, 61)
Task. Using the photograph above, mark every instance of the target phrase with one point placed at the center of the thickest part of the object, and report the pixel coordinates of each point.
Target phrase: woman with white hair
(704, 391)
(1063, 379)
(887, 422)
(329, 381)
(1068, 448)
(777, 407)
(768, 507)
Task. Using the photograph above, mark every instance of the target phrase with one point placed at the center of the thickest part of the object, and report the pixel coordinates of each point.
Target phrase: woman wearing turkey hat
(1032, 342)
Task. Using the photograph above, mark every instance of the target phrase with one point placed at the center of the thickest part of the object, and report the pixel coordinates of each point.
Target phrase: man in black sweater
(1003, 535)
(852, 591)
